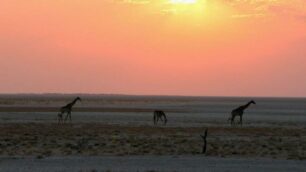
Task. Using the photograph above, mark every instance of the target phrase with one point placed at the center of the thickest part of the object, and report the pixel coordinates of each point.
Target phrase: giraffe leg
(229, 119)
(240, 120)
(233, 120)
(165, 120)
(161, 119)
(59, 117)
(62, 118)
(66, 117)
(69, 116)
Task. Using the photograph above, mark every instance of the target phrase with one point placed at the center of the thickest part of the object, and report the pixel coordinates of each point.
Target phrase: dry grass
(43, 140)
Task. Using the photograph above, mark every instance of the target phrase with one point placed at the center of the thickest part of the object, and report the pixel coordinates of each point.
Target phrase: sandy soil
(96, 139)
(116, 134)
(147, 164)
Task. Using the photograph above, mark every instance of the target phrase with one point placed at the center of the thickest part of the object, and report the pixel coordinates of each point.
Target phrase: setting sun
(183, 1)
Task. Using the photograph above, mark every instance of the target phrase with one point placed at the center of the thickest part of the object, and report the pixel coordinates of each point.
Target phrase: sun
(187, 8)
(183, 1)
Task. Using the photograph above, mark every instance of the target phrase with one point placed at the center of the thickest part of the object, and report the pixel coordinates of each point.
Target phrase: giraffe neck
(247, 105)
(73, 102)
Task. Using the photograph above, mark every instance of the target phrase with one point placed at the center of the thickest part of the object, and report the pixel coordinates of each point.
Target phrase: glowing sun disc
(183, 1)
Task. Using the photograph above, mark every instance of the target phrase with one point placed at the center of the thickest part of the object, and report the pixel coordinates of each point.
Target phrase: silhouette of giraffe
(239, 112)
(67, 109)
(158, 114)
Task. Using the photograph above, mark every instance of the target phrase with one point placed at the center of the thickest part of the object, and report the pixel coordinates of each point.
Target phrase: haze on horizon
(154, 47)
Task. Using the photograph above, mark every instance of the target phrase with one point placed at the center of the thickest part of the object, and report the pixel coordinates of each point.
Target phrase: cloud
(133, 1)
(259, 8)
(242, 8)
(259, 15)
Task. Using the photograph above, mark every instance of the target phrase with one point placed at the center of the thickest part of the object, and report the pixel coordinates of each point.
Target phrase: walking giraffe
(67, 109)
(239, 112)
(158, 114)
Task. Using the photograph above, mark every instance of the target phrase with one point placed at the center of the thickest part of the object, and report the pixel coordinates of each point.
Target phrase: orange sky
(212, 47)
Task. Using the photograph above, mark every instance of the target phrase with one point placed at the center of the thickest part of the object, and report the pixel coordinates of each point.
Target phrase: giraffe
(158, 114)
(239, 112)
(67, 109)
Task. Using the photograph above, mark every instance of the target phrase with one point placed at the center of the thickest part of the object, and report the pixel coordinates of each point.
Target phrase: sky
(154, 47)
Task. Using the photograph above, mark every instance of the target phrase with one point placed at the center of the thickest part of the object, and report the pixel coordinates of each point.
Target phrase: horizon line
(148, 95)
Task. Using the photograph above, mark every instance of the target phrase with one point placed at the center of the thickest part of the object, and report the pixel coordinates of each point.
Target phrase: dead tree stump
(205, 142)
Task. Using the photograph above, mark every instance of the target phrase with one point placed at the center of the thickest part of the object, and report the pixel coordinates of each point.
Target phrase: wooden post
(205, 142)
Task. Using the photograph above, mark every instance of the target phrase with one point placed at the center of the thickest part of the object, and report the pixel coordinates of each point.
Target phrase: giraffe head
(78, 98)
(253, 102)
